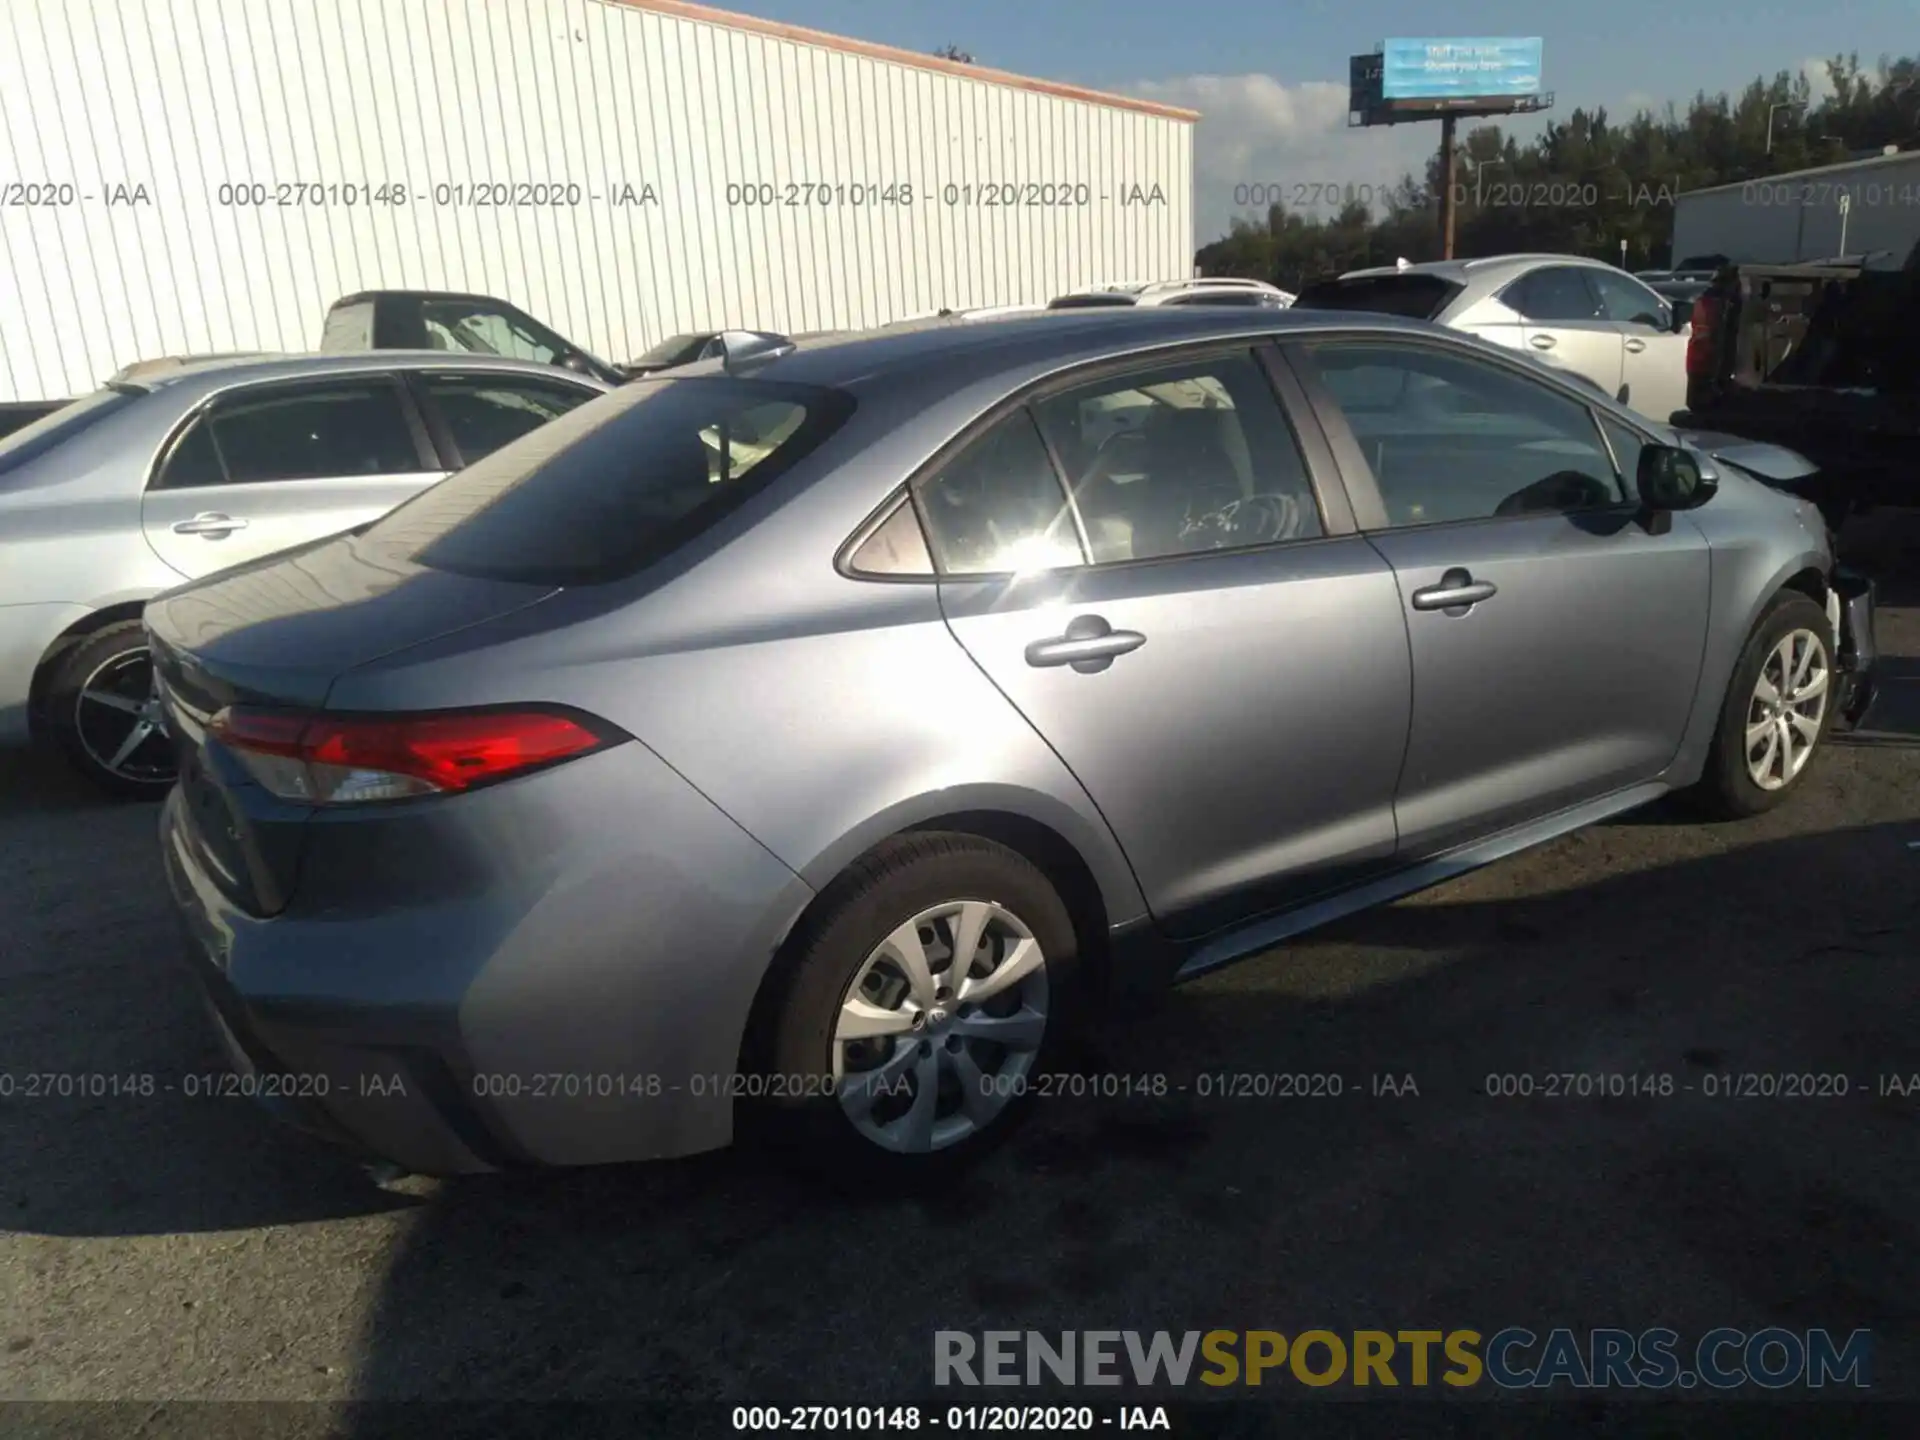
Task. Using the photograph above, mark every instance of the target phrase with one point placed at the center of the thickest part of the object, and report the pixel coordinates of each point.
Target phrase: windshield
(30, 442)
(604, 491)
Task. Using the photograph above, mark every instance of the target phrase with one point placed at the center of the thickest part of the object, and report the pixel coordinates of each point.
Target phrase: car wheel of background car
(103, 710)
(912, 1010)
(1777, 713)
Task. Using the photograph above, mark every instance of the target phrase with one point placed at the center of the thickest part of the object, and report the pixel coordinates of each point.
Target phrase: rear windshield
(1417, 297)
(611, 487)
(1088, 302)
(30, 442)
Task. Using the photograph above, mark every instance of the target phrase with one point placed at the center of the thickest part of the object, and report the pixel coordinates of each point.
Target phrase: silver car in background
(179, 468)
(1573, 314)
(808, 742)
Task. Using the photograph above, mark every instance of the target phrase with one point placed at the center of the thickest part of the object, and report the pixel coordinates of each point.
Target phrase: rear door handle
(1457, 590)
(1541, 342)
(210, 523)
(1089, 645)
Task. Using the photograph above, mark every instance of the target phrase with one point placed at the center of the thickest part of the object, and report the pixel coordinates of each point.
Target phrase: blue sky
(1271, 78)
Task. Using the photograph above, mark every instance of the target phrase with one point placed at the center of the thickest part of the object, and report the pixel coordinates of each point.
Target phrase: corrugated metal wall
(1797, 217)
(203, 175)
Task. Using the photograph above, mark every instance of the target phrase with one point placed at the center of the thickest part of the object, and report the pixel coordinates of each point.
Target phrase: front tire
(103, 713)
(933, 982)
(1778, 712)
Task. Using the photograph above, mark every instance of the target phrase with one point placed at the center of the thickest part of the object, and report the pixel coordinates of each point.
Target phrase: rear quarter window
(608, 489)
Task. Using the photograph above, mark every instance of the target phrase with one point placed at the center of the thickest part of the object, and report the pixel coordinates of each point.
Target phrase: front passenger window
(297, 432)
(1450, 437)
(1629, 302)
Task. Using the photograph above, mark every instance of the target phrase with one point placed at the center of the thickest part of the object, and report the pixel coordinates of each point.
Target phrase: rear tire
(100, 701)
(1765, 732)
(868, 1057)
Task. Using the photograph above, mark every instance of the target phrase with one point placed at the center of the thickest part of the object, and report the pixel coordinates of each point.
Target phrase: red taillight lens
(1700, 344)
(344, 759)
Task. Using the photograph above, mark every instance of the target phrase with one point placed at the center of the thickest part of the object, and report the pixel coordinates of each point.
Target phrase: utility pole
(1446, 187)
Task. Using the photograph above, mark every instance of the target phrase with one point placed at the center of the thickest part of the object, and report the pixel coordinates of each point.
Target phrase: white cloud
(1257, 131)
(1815, 69)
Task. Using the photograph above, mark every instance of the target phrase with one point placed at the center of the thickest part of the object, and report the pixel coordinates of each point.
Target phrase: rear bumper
(581, 1002)
(1858, 658)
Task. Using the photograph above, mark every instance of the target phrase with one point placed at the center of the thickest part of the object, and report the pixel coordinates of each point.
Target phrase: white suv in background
(1572, 313)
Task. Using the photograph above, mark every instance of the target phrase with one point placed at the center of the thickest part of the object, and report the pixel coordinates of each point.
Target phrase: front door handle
(210, 523)
(1634, 347)
(1457, 591)
(1541, 342)
(1088, 646)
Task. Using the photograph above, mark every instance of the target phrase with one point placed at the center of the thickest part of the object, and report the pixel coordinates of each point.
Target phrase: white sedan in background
(1572, 313)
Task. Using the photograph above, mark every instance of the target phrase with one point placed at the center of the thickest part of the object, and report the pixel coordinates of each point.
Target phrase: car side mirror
(1670, 479)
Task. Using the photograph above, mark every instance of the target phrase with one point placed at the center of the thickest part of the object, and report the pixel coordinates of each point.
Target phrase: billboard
(1460, 69)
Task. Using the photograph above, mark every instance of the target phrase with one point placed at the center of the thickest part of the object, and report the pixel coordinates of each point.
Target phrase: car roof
(1487, 267)
(236, 368)
(360, 295)
(932, 353)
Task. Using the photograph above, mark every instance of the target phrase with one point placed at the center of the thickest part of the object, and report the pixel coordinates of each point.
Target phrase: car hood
(1772, 463)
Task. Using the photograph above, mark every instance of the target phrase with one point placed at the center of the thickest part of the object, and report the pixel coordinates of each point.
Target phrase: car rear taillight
(324, 759)
(1700, 345)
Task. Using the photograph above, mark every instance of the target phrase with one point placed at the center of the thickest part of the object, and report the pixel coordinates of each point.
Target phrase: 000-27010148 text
(957, 1419)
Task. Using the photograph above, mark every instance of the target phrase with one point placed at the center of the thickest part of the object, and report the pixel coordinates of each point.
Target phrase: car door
(471, 414)
(1556, 639)
(1563, 324)
(261, 468)
(1182, 609)
(1654, 365)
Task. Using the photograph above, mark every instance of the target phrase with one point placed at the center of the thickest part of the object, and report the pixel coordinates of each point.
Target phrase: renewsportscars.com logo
(1512, 1359)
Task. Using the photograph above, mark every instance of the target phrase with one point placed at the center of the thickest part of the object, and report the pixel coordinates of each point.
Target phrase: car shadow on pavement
(1390, 1183)
(38, 779)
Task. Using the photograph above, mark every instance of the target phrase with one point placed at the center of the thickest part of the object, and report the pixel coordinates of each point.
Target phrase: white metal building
(1798, 216)
(190, 176)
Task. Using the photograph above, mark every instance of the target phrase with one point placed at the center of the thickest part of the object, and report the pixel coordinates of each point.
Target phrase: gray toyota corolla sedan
(802, 745)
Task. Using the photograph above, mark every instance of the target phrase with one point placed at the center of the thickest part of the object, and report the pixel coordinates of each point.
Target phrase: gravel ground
(166, 1249)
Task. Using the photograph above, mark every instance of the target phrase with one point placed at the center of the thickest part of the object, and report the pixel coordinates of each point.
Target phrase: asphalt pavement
(165, 1248)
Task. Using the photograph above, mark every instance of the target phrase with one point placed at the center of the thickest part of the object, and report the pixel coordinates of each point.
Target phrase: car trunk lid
(277, 634)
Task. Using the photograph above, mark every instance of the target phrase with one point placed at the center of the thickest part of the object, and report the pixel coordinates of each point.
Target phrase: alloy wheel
(1788, 706)
(941, 1026)
(118, 719)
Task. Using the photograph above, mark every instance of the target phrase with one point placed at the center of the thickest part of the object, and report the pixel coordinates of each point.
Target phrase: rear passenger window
(1180, 460)
(998, 508)
(304, 432)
